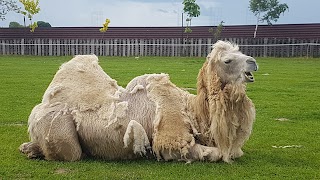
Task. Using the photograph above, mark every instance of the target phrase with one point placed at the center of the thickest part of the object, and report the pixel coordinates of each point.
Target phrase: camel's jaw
(249, 76)
(251, 67)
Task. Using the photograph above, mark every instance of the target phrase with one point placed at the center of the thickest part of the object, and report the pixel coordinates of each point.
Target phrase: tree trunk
(256, 29)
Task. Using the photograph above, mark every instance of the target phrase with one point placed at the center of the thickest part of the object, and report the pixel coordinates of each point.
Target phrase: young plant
(31, 8)
(105, 26)
(193, 10)
(216, 33)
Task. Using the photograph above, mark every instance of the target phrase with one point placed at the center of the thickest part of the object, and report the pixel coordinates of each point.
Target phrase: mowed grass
(286, 95)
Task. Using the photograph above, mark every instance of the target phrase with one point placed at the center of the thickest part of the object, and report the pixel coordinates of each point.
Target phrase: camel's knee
(137, 136)
(57, 137)
(32, 150)
(63, 150)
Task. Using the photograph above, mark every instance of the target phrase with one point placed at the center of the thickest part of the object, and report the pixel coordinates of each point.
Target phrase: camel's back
(82, 90)
(81, 83)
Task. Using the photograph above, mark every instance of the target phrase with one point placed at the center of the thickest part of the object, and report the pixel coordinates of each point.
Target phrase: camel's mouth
(249, 77)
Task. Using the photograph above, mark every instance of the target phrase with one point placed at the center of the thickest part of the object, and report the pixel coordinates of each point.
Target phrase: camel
(84, 112)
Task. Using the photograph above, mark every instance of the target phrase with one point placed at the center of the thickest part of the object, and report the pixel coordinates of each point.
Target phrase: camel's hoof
(237, 154)
(32, 150)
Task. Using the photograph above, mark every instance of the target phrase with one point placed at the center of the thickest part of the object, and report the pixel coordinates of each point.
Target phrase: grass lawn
(286, 95)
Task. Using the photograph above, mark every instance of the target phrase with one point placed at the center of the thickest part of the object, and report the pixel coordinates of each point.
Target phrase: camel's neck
(215, 99)
(232, 94)
(229, 104)
(210, 88)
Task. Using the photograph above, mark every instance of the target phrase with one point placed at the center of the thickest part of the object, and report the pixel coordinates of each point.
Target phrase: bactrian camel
(85, 112)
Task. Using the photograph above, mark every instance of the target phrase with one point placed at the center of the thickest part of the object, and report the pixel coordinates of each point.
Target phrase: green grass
(284, 88)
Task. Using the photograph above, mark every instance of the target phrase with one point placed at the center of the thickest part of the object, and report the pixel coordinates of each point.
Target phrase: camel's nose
(252, 62)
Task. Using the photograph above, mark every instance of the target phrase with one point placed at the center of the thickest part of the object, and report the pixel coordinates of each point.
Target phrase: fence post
(172, 47)
(316, 54)
(136, 47)
(3, 47)
(14, 47)
(288, 47)
(123, 47)
(176, 41)
(161, 47)
(92, 46)
(199, 47)
(157, 48)
(111, 47)
(292, 49)
(107, 49)
(209, 46)
(153, 47)
(141, 48)
(308, 47)
(131, 45)
(311, 48)
(265, 47)
(58, 47)
(128, 47)
(39, 47)
(22, 47)
(192, 47)
(50, 47)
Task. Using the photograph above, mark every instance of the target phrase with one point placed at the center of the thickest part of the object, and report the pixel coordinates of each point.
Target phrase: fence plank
(199, 47)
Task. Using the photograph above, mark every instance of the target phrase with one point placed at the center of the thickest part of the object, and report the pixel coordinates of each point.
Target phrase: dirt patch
(282, 119)
(62, 171)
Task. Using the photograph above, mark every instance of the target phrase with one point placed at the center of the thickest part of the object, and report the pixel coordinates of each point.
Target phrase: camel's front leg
(200, 152)
(235, 149)
(136, 137)
(196, 152)
(61, 142)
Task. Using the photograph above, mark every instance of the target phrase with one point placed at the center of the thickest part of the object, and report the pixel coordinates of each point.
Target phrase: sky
(159, 13)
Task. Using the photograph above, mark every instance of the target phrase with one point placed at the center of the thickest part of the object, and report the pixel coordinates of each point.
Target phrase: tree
(7, 6)
(31, 8)
(193, 10)
(15, 25)
(216, 33)
(266, 10)
(43, 24)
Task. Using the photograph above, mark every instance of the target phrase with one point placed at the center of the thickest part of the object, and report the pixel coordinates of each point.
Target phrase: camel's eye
(228, 61)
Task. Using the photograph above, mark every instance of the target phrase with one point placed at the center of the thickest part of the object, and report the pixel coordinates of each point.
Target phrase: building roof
(298, 31)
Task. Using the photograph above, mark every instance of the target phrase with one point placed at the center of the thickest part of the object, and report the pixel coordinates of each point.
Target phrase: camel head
(230, 64)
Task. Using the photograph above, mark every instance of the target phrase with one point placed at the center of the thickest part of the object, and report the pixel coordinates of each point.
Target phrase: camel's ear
(221, 46)
(216, 52)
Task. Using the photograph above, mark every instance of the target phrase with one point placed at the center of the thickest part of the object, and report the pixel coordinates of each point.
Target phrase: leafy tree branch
(193, 10)
(7, 6)
(267, 10)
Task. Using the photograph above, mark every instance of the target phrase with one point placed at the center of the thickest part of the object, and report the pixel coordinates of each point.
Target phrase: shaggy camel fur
(84, 111)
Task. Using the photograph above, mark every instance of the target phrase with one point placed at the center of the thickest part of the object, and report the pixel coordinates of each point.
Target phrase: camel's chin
(249, 77)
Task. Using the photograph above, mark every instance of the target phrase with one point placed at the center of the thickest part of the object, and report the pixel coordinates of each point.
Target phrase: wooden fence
(263, 47)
